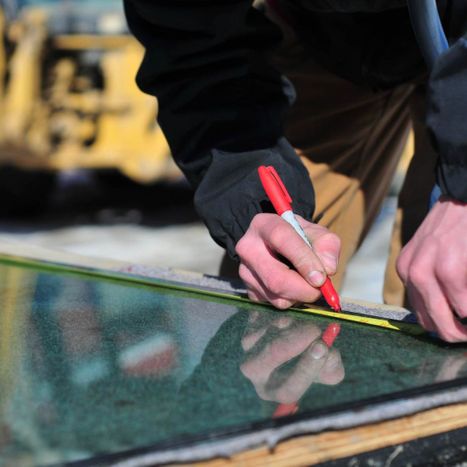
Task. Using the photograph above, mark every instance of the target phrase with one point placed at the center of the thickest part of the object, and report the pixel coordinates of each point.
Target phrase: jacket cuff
(231, 194)
(452, 180)
(446, 117)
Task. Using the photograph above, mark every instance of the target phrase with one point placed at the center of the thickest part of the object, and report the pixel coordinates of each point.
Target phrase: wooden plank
(332, 445)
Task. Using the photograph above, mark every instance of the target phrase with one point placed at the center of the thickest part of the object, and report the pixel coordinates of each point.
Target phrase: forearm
(205, 63)
(221, 106)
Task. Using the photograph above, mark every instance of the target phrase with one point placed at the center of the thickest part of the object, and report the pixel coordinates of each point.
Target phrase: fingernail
(318, 350)
(282, 323)
(316, 278)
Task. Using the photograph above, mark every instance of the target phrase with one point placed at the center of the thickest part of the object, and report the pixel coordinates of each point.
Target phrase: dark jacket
(221, 105)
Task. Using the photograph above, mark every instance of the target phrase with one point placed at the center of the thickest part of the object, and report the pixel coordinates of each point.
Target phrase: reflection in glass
(91, 366)
(284, 357)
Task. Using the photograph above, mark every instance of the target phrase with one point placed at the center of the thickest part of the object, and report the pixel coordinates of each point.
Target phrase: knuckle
(418, 272)
(304, 260)
(328, 241)
(332, 239)
(416, 276)
(447, 269)
(240, 247)
(448, 277)
(274, 284)
(256, 221)
(402, 266)
(313, 229)
(277, 235)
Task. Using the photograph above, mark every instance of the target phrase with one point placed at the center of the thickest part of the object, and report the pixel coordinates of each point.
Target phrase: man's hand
(267, 278)
(433, 266)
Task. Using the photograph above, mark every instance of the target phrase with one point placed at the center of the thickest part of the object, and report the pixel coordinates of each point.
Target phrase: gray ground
(158, 227)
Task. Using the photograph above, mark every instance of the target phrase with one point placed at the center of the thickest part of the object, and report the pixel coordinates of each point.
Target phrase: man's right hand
(269, 279)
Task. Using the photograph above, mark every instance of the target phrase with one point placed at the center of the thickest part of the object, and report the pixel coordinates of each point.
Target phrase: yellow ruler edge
(409, 328)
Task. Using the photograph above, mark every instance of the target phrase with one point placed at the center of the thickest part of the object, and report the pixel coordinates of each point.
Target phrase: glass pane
(91, 366)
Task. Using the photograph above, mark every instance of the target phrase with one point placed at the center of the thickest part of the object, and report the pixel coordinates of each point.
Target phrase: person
(325, 91)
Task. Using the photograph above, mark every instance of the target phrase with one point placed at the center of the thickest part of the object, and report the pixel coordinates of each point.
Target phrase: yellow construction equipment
(68, 99)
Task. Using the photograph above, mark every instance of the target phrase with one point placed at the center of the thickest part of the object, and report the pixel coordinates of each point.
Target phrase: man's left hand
(433, 266)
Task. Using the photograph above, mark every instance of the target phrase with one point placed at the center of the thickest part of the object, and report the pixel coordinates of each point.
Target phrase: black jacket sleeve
(221, 106)
(447, 119)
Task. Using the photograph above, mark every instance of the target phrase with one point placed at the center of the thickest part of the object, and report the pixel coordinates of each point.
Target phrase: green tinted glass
(90, 366)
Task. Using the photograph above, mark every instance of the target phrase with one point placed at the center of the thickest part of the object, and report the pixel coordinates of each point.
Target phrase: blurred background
(84, 166)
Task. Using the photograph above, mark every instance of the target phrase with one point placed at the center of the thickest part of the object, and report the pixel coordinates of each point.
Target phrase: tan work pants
(350, 139)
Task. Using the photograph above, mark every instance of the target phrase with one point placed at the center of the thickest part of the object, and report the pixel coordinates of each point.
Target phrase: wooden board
(332, 445)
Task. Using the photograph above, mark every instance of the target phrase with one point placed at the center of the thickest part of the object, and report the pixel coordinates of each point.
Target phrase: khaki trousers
(351, 138)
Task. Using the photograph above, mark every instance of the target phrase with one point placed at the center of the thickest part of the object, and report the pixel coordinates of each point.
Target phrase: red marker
(282, 202)
(330, 334)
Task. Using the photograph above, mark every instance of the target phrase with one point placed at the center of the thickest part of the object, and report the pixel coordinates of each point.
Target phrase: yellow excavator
(68, 98)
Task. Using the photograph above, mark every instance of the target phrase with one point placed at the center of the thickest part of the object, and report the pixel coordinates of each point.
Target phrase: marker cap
(275, 189)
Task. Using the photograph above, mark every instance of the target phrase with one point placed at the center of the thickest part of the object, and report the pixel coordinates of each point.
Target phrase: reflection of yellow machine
(69, 101)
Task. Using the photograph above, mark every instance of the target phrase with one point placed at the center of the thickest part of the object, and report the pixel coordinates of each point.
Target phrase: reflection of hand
(451, 367)
(269, 279)
(285, 357)
(433, 266)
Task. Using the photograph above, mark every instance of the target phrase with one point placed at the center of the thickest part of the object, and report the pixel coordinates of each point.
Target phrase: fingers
(429, 301)
(433, 266)
(258, 327)
(447, 326)
(249, 340)
(285, 357)
(279, 296)
(452, 278)
(288, 344)
(325, 244)
(282, 239)
(305, 372)
(269, 279)
(311, 263)
(421, 309)
(317, 363)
